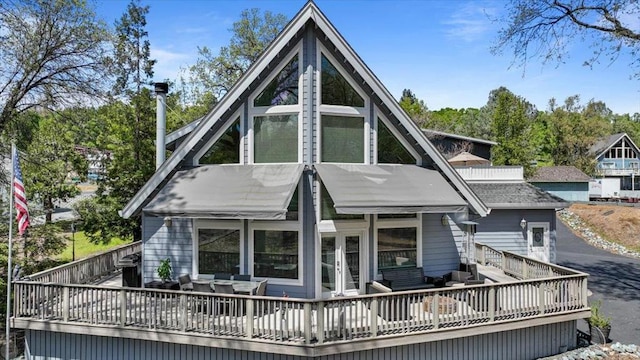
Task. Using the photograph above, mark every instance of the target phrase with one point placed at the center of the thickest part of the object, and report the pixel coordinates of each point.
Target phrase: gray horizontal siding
(528, 343)
(567, 191)
(440, 245)
(160, 242)
(501, 230)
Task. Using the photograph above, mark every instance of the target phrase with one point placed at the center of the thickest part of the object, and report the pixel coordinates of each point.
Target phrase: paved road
(614, 279)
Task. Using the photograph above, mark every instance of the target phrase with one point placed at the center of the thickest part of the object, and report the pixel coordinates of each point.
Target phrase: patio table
(239, 286)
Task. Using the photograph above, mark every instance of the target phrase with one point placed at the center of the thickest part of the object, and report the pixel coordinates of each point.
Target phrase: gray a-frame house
(310, 176)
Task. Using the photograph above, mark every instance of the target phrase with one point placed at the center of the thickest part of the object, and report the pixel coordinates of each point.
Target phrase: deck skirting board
(498, 341)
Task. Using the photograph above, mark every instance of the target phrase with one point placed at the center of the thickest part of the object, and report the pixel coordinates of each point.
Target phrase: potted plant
(599, 325)
(164, 270)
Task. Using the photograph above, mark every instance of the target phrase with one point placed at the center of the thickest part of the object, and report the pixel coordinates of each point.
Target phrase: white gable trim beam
(228, 192)
(388, 189)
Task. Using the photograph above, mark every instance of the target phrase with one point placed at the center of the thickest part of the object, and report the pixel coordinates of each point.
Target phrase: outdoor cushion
(408, 278)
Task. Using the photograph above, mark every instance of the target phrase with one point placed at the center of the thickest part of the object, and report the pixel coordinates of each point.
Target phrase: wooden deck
(330, 324)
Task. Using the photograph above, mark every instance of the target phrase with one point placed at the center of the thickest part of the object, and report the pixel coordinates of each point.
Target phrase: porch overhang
(388, 189)
(229, 191)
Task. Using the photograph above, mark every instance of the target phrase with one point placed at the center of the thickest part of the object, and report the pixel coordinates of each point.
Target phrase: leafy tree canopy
(216, 73)
(51, 53)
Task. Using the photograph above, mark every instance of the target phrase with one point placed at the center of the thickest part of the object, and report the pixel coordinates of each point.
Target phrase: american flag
(20, 197)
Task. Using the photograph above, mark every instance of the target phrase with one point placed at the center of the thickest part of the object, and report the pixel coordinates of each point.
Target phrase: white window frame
(296, 109)
(280, 225)
(340, 110)
(214, 224)
(392, 224)
(237, 115)
(378, 115)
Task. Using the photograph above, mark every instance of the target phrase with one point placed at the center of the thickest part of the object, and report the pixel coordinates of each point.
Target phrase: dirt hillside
(620, 224)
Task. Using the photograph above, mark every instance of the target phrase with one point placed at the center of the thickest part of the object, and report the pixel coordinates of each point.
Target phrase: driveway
(614, 279)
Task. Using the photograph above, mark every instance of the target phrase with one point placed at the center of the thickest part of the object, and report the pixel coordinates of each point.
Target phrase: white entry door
(341, 266)
(538, 238)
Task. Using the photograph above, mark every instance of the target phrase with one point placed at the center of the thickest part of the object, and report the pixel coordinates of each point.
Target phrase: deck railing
(518, 266)
(543, 290)
(86, 270)
(301, 321)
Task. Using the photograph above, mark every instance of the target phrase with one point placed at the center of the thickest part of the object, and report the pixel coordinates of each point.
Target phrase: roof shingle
(519, 195)
(558, 174)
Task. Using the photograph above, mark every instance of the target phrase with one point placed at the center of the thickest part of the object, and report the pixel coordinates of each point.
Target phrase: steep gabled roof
(558, 174)
(309, 13)
(608, 142)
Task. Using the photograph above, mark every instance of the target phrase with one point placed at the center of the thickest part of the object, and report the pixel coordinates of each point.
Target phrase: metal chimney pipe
(161, 90)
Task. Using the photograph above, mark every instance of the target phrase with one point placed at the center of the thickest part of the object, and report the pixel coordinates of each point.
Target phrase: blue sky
(438, 49)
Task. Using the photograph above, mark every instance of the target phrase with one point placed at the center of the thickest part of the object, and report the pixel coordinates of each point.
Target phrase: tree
(218, 73)
(51, 53)
(415, 108)
(511, 128)
(130, 125)
(542, 28)
(51, 157)
(575, 128)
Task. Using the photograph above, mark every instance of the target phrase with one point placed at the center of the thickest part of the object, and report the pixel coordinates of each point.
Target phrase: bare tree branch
(542, 28)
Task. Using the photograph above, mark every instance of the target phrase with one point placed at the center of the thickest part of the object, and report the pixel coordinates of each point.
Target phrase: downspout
(161, 90)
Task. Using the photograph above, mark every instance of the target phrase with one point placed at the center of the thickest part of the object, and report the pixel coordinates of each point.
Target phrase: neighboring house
(309, 175)
(96, 160)
(617, 156)
(523, 217)
(451, 145)
(565, 182)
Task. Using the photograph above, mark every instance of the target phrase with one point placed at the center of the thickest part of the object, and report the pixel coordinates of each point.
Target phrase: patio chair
(262, 288)
(222, 276)
(242, 277)
(185, 282)
(388, 309)
(225, 305)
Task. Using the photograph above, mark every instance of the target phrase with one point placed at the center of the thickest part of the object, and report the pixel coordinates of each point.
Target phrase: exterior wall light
(445, 220)
(168, 222)
(523, 223)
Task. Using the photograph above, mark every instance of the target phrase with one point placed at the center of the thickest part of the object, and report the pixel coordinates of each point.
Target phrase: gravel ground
(614, 351)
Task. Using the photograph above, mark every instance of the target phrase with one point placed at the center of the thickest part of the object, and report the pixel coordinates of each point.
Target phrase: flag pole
(9, 271)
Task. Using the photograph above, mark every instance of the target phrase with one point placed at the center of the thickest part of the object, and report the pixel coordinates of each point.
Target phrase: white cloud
(469, 22)
(169, 63)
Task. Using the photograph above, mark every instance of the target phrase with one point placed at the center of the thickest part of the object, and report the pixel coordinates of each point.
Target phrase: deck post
(249, 321)
(585, 292)
(374, 316)
(320, 331)
(307, 323)
(65, 303)
(123, 307)
(492, 304)
(435, 310)
(541, 293)
(525, 269)
(480, 258)
(183, 312)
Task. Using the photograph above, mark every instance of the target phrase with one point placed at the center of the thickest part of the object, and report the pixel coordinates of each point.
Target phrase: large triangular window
(226, 150)
(390, 148)
(283, 89)
(335, 88)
